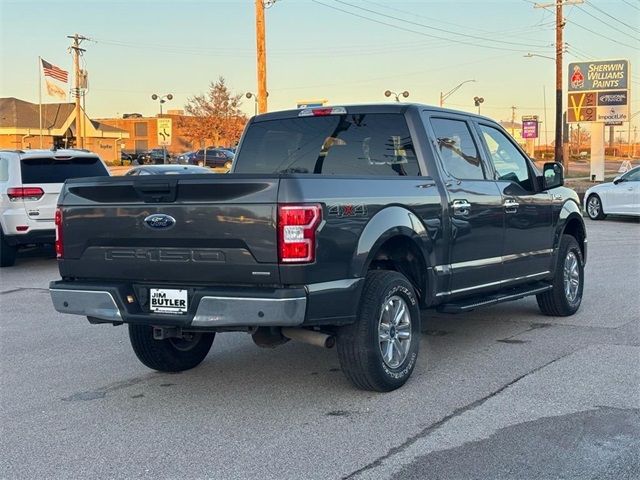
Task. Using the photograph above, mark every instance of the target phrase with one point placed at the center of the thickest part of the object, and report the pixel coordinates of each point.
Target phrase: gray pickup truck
(336, 225)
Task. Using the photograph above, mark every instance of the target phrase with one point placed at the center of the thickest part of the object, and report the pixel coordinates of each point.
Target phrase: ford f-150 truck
(335, 225)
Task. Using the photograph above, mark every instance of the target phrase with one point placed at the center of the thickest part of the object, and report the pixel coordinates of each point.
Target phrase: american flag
(50, 70)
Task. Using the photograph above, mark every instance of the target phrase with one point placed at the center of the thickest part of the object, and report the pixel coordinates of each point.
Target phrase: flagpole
(40, 96)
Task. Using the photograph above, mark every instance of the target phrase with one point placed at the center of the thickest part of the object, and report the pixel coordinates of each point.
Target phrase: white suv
(30, 182)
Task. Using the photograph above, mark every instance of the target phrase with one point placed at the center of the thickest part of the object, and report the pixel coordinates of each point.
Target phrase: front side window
(457, 149)
(510, 164)
(348, 144)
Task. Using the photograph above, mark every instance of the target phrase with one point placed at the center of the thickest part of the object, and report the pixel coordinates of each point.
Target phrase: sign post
(598, 94)
(164, 135)
(530, 132)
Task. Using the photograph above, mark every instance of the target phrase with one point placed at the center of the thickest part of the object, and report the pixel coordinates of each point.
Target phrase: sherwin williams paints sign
(598, 76)
(598, 92)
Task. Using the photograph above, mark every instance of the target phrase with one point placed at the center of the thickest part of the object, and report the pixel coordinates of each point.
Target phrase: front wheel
(170, 354)
(379, 351)
(594, 207)
(568, 281)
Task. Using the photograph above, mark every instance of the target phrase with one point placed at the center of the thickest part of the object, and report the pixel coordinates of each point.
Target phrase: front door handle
(511, 206)
(461, 207)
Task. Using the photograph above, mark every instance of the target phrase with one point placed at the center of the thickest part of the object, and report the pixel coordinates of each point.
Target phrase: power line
(611, 16)
(631, 4)
(398, 27)
(518, 31)
(605, 23)
(591, 31)
(465, 35)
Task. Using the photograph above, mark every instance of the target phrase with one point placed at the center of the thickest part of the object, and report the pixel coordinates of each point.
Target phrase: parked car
(620, 197)
(335, 226)
(167, 170)
(183, 158)
(30, 182)
(212, 157)
(127, 157)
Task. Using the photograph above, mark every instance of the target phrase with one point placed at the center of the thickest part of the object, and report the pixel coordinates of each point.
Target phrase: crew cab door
(475, 233)
(528, 240)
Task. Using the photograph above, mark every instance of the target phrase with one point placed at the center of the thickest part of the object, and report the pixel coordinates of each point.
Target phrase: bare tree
(215, 117)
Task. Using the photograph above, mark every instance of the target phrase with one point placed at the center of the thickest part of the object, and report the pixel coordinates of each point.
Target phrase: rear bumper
(31, 236)
(331, 303)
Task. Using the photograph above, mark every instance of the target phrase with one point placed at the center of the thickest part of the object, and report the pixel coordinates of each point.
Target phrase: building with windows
(20, 128)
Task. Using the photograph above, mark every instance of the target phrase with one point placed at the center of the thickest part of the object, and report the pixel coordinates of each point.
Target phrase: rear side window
(457, 149)
(352, 144)
(50, 170)
(4, 170)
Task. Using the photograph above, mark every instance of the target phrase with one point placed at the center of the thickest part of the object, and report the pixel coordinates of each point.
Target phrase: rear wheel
(7, 252)
(171, 354)
(200, 163)
(594, 207)
(379, 351)
(568, 281)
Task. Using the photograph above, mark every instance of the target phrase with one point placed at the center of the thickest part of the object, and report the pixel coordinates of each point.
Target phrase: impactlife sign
(598, 91)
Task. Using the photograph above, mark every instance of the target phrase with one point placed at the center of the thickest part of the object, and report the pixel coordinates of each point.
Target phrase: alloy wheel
(394, 331)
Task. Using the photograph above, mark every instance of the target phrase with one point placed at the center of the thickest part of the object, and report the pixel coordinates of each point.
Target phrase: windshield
(354, 144)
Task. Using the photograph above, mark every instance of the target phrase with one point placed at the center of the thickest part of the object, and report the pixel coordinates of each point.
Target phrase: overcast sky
(316, 49)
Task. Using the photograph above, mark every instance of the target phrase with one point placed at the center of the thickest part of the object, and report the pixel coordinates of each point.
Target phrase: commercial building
(20, 128)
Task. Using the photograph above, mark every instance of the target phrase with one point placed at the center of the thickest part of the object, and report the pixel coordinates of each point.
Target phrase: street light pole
(397, 95)
(255, 102)
(477, 101)
(161, 100)
(444, 96)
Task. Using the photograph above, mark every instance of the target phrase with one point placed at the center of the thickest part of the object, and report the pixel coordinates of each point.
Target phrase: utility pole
(77, 51)
(513, 120)
(560, 23)
(262, 57)
(559, 48)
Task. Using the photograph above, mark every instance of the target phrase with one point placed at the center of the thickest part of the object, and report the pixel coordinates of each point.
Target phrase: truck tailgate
(208, 229)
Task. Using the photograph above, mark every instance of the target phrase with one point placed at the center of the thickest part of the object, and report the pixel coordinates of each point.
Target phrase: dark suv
(212, 157)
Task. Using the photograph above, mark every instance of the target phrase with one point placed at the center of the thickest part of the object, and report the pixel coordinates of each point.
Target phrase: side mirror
(552, 175)
(617, 180)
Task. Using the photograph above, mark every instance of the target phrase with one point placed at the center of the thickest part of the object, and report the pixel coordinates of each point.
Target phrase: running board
(468, 304)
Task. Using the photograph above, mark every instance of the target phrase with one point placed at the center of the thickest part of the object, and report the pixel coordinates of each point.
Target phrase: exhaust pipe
(311, 337)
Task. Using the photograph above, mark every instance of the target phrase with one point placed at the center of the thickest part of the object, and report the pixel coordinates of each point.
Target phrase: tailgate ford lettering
(165, 255)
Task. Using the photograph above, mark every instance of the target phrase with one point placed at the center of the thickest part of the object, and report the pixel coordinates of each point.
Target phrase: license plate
(164, 300)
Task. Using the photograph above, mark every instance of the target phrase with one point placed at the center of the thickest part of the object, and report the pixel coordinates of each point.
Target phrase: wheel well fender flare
(392, 223)
(570, 222)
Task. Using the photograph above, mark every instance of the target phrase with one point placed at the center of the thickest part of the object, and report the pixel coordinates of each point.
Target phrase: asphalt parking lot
(498, 393)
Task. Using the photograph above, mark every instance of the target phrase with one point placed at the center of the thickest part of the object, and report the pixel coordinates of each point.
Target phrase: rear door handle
(511, 206)
(461, 207)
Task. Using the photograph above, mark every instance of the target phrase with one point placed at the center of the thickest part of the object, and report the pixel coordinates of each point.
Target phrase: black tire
(359, 344)
(594, 207)
(169, 355)
(7, 252)
(557, 302)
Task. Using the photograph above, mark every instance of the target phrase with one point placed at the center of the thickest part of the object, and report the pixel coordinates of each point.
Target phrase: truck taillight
(24, 193)
(297, 225)
(59, 232)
